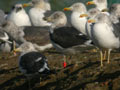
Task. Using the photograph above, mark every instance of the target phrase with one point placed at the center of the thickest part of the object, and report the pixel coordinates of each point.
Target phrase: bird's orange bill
(26, 5)
(67, 9)
(15, 51)
(48, 19)
(90, 3)
(83, 15)
(91, 21)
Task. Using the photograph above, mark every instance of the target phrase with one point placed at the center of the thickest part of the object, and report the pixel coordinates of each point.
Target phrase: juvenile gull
(6, 44)
(103, 35)
(15, 32)
(65, 39)
(31, 62)
(19, 16)
(37, 12)
(37, 35)
(76, 21)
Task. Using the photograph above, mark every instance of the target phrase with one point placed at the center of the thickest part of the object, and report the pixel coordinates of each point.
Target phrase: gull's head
(17, 7)
(8, 25)
(57, 19)
(115, 10)
(93, 12)
(96, 2)
(41, 4)
(100, 4)
(25, 47)
(78, 7)
(100, 18)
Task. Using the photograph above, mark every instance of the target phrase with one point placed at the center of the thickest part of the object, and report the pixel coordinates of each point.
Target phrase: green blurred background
(56, 4)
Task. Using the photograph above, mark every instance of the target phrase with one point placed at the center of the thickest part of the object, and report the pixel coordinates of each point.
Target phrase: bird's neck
(101, 6)
(77, 22)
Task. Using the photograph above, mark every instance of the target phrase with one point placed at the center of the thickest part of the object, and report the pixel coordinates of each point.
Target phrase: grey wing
(116, 30)
(38, 35)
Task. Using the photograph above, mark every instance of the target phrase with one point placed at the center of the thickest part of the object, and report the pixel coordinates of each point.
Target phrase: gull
(31, 62)
(66, 40)
(39, 36)
(76, 21)
(115, 14)
(19, 16)
(15, 32)
(103, 35)
(92, 13)
(6, 43)
(37, 12)
(100, 4)
(2, 17)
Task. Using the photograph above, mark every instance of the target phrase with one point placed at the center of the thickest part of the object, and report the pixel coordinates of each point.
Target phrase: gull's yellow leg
(101, 58)
(105, 53)
(108, 59)
(14, 47)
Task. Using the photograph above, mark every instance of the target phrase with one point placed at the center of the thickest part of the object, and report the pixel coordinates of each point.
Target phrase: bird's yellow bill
(26, 5)
(67, 9)
(16, 50)
(48, 19)
(83, 15)
(90, 3)
(91, 21)
(104, 10)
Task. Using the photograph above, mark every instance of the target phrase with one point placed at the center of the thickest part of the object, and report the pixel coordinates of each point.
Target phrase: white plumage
(77, 21)
(19, 16)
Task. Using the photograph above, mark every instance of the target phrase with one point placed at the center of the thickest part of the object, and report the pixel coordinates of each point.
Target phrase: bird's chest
(78, 23)
(104, 37)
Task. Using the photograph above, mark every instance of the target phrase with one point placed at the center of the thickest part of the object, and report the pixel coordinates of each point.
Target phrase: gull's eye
(18, 9)
(33, 2)
(56, 16)
(13, 7)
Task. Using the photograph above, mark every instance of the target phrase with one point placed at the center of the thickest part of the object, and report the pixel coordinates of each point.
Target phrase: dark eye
(33, 2)
(13, 7)
(56, 16)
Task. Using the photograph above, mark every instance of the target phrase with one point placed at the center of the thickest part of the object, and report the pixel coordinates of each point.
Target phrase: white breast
(36, 16)
(103, 36)
(78, 23)
(20, 18)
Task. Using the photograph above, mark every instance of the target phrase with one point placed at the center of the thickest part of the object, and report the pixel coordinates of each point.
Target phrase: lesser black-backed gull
(76, 21)
(65, 39)
(37, 12)
(103, 35)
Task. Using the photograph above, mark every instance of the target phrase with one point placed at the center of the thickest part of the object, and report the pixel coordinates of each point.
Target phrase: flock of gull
(97, 27)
